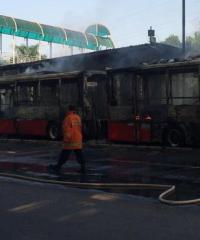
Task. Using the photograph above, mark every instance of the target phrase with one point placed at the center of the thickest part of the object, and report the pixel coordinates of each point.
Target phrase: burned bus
(152, 103)
(156, 103)
(35, 104)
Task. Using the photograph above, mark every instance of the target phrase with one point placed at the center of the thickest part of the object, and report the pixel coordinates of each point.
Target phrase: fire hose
(167, 189)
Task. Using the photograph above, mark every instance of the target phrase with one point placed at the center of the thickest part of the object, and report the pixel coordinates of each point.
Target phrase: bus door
(122, 106)
(95, 103)
(142, 117)
(70, 95)
(7, 125)
(127, 123)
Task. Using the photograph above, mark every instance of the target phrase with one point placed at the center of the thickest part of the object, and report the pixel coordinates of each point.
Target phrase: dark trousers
(64, 156)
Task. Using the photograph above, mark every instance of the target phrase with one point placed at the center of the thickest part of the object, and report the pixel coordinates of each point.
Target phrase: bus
(157, 103)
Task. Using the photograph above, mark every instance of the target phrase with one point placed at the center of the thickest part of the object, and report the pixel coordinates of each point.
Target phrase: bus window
(122, 89)
(97, 95)
(49, 92)
(6, 99)
(69, 92)
(185, 89)
(156, 89)
(26, 93)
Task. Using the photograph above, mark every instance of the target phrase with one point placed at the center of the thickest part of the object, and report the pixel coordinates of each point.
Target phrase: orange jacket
(72, 132)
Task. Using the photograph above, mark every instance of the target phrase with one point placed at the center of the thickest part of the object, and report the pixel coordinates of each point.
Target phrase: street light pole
(1, 43)
(183, 26)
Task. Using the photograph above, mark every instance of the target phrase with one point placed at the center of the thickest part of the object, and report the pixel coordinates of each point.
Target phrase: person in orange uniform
(72, 140)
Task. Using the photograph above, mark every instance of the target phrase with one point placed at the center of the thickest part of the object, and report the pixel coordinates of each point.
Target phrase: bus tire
(53, 131)
(174, 137)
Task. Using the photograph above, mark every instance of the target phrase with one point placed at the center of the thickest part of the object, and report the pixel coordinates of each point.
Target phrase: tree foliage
(173, 40)
(192, 42)
(31, 51)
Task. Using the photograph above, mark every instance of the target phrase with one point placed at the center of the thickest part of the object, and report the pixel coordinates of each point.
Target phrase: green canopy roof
(98, 30)
(41, 32)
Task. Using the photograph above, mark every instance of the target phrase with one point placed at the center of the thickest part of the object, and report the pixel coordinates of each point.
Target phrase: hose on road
(168, 190)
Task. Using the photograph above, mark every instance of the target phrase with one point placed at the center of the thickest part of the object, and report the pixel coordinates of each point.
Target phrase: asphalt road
(32, 211)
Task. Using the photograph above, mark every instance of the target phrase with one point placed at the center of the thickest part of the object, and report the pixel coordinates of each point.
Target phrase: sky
(127, 20)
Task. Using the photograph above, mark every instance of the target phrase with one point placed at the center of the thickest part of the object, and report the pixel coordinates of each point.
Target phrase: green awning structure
(107, 42)
(98, 30)
(96, 37)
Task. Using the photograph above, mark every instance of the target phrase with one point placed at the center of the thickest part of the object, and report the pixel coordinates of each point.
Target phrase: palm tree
(30, 53)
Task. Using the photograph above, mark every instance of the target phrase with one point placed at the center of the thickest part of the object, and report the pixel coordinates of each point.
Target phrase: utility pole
(13, 50)
(50, 49)
(1, 44)
(183, 26)
(27, 45)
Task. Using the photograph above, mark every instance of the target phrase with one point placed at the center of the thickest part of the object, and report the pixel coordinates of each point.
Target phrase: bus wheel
(53, 131)
(174, 137)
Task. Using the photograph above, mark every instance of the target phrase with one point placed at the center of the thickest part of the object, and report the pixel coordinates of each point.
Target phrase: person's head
(71, 108)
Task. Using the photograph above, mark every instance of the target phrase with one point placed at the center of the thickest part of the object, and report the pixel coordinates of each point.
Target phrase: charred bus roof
(48, 76)
(101, 60)
(172, 64)
(32, 77)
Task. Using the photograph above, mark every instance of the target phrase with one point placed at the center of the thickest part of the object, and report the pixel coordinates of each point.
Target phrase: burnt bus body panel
(175, 99)
(166, 94)
(124, 107)
(30, 105)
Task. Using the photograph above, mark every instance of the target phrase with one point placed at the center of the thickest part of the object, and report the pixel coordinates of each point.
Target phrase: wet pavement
(109, 164)
(35, 211)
